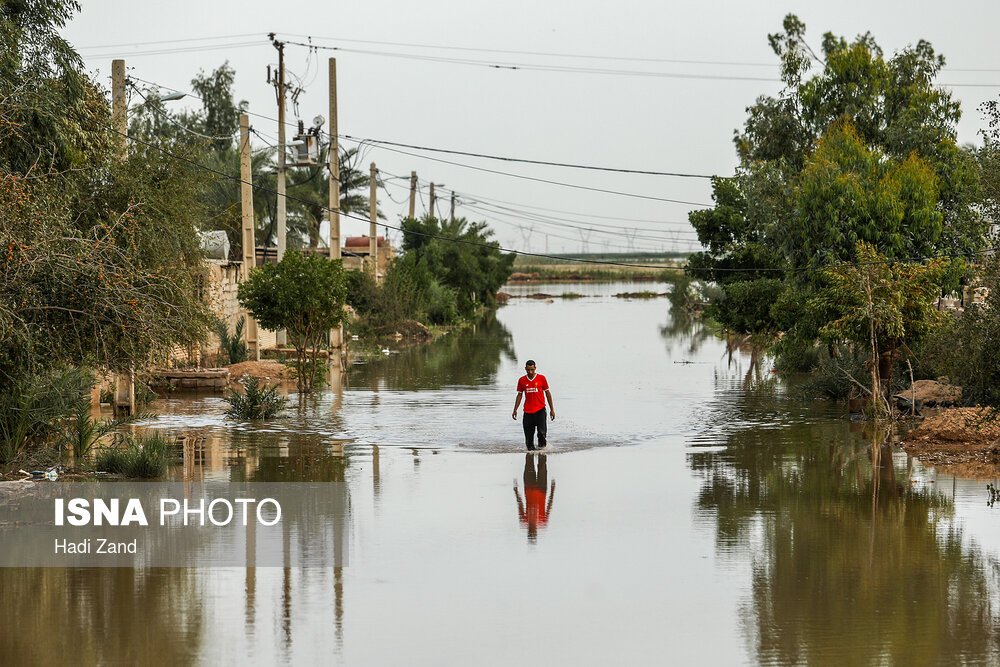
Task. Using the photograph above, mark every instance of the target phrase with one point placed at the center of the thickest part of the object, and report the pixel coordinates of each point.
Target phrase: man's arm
(517, 404)
(552, 408)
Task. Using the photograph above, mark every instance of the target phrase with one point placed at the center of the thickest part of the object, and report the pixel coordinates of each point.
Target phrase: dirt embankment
(265, 369)
(961, 441)
(931, 393)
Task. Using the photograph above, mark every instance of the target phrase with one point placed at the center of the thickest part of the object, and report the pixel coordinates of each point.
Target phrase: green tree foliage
(964, 347)
(878, 305)
(459, 256)
(211, 135)
(303, 295)
(309, 192)
(857, 148)
(99, 261)
(41, 86)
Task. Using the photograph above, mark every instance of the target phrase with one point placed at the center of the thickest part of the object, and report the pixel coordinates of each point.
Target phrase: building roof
(362, 241)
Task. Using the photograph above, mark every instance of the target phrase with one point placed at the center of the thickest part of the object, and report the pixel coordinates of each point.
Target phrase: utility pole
(413, 193)
(334, 162)
(432, 201)
(279, 86)
(119, 108)
(372, 228)
(249, 236)
(453, 206)
(124, 398)
(333, 156)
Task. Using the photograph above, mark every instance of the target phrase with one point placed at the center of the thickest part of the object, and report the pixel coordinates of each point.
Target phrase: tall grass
(33, 407)
(81, 431)
(258, 401)
(136, 457)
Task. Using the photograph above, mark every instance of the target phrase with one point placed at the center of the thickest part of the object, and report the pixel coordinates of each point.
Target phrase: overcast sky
(675, 117)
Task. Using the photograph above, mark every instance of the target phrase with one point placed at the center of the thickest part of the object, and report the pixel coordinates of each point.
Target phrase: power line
(190, 49)
(497, 246)
(521, 66)
(544, 180)
(582, 56)
(167, 117)
(384, 144)
(538, 53)
(538, 68)
(470, 203)
(527, 161)
(174, 41)
(238, 179)
(554, 210)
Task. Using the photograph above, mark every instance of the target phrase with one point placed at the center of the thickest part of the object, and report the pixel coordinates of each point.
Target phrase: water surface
(697, 515)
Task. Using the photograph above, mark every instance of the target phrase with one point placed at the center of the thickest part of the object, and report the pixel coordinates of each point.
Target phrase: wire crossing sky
(600, 95)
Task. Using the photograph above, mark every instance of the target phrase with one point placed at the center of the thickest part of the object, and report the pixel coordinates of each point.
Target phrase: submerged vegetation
(135, 456)
(258, 400)
(449, 271)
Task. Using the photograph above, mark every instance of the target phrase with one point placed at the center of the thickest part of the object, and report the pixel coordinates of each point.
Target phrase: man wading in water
(530, 387)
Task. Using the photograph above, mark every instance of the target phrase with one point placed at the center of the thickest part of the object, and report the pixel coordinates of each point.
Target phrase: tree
(879, 306)
(862, 150)
(459, 256)
(99, 260)
(303, 295)
(309, 193)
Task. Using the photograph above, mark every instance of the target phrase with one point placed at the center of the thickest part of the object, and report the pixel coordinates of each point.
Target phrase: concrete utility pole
(282, 148)
(413, 193)
(333, 155)
(249, 236)
(124, 398)
(280, 336)
(372, 228)
(119, 107)
(334, 158)
(432, 201)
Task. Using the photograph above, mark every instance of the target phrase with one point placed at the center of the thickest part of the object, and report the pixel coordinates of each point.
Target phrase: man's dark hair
(529, 362)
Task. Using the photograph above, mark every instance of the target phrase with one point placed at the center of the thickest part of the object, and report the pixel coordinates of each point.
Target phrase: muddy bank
(960, 441)
(265, 369)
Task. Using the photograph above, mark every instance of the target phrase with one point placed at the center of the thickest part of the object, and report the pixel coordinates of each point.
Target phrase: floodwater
(687, 512)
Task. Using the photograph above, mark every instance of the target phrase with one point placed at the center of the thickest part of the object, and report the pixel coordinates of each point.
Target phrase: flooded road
(686, 512)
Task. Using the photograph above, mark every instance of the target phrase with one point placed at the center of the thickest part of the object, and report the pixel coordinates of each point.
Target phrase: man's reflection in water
(532, 509)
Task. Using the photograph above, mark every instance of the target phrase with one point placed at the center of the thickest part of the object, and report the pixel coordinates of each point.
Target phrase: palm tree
(309, 195)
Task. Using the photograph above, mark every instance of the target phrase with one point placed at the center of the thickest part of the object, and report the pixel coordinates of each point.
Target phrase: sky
(641, 85)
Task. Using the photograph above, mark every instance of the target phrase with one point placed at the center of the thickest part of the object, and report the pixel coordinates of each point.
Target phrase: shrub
(136, 457)
(305, 296)
(232, 345)
(258, 401)
(34, 406)
(81, 431)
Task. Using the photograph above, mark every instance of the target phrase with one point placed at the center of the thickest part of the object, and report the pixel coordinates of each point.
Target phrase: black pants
(532, 421)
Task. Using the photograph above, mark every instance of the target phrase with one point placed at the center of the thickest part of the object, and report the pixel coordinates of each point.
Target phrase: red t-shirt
(534, 398)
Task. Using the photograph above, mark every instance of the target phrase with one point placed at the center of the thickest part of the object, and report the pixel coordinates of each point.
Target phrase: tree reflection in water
(470, 357)
(850, 563)
(684, 333)
(90, 616)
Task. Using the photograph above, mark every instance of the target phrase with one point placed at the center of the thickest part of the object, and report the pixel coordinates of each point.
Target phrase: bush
(258, 401)
(34, 406)
(136, 457)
